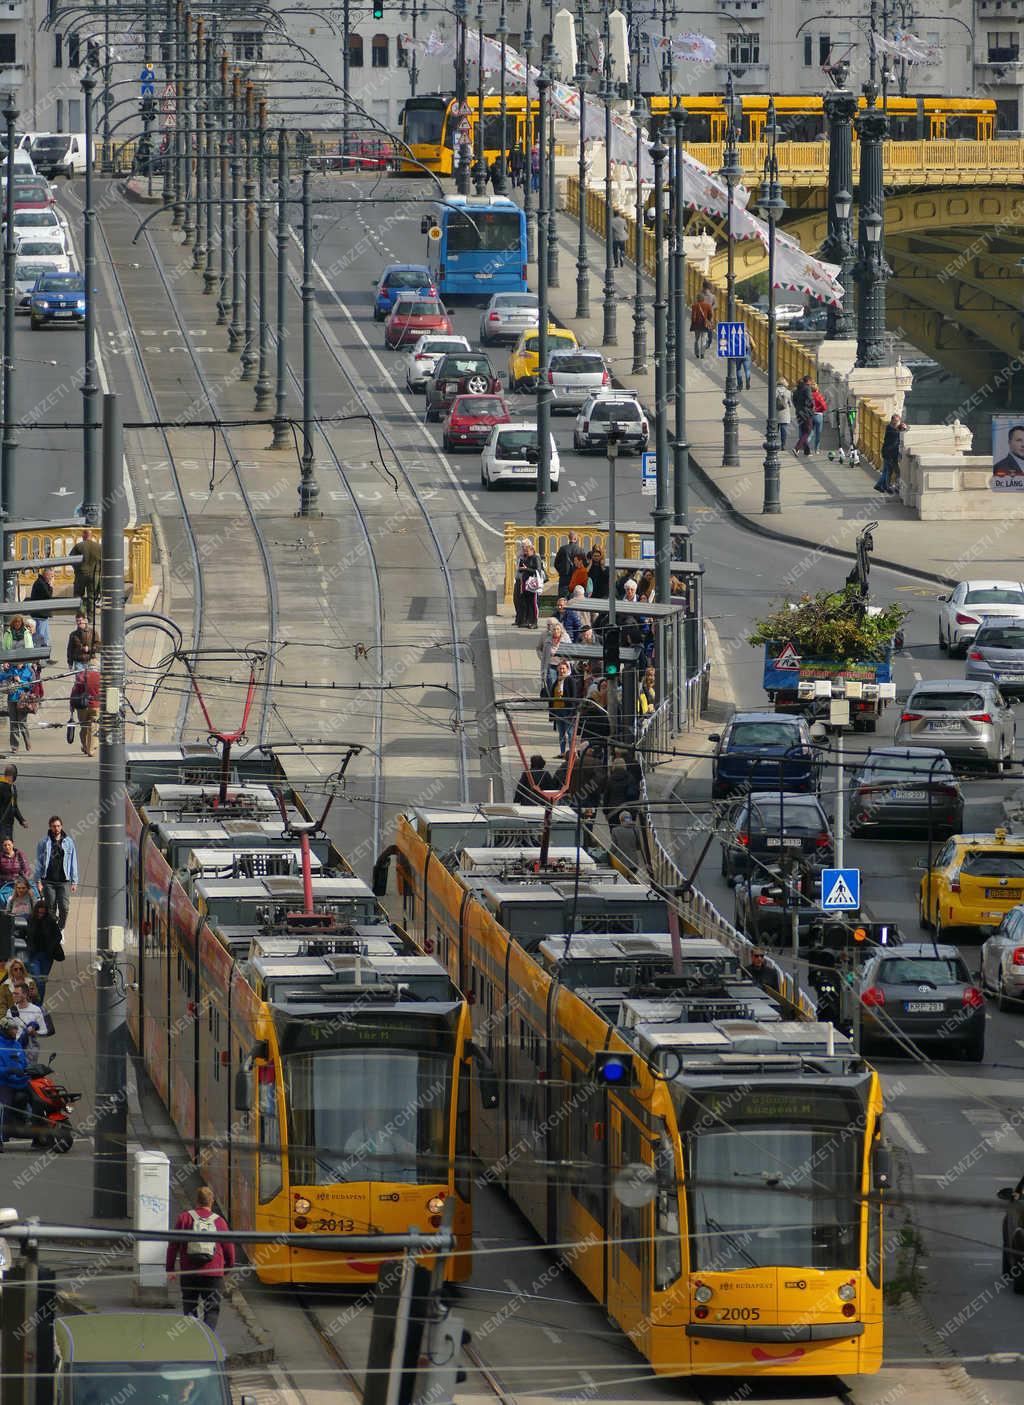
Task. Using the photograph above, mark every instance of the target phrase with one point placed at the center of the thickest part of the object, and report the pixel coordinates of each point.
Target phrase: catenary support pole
(543, 509)
(90, 389)
(680, 447)
(662, 512)
(235, 323)
(248, 339)
(224, 108)
(9, 446)
(262, 387)
(309, 490)
(110, 1164)
(282, 439)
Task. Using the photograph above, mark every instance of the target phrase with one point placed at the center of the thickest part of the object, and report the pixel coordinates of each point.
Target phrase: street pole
(542, 513)
(199, 127)
(552, 188)
(179, 105)
(531, 132)
(167, 55)
(609, 334)
(346, 59)
(731, 173)
(639, 313)
(500, 183)
(309, 490)
(413, 69)
(871, 269)
(662, 513)
(464, 153)
(9, 445)
(186, 134)
(248, 348)
(234, 325)
(613, 690)
(90, 389)
(840, 107)
(480, 169)
(670, 264)
(263, 371)
(222, 190)
(772, 207)
(840, 819)
(110, 1153)
(106, 165)
(209, 278)
(680, 447)
(148, 103)
(282, 438)
(582, 266)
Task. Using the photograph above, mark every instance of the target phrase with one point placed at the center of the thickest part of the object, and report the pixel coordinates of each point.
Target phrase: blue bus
(476, 245)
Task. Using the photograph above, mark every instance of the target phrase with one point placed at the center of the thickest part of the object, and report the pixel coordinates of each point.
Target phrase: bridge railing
(809, 159)
(548, 539)
(35, 544)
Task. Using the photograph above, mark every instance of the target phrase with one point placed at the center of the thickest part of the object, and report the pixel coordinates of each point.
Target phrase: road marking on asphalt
(995, 1129)
(904, 1135)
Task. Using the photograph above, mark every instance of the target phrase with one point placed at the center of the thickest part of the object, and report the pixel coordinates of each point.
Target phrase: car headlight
(81, 304)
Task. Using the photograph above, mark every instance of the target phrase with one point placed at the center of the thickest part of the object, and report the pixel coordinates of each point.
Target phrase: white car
(426, 353)
(26, 272)
(40, 224)
(970, 605)
(510, 456)
(1002, 962)
(49, 256)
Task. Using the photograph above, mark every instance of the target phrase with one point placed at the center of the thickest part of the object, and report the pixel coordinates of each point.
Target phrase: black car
(1013, 1234)
(920, 994)
(890, 791)
(763, 751)
(459, 373)
(770, 827)
(764, 905)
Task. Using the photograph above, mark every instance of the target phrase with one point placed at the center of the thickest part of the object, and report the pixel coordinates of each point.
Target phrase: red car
(470, 420)
(411, 317)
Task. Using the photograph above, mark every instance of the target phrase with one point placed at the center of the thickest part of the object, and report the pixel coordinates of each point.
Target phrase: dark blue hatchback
(763, 751)
(57, 297)
(401, 278)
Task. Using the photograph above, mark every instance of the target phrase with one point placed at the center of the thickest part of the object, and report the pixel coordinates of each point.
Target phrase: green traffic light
(378, 12)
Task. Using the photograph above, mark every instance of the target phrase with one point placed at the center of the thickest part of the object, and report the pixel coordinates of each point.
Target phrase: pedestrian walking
(626, 840)
(563, 700)
(516, 164)
(15, 973)
(620, 235)
(9, 811)
(203, 1259)
(528, 585)
(42, 589)
(783, 409)
(57, 869)
(43, 940)
(535, 167)
(19, 634)
(819, 409)
(13, 1071)
(18, 683)
(33, 1021)
(563, 561)
(13, 863)
(524, 793)
(890, 455)
(18, 912)
(702, 322)
(88, 570)
(547, 648)
(85, 703)
(803, 406)
(83, 644)
(597, 575)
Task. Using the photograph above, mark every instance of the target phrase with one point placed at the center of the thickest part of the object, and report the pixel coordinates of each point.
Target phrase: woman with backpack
(783, 409)
(202, 1259)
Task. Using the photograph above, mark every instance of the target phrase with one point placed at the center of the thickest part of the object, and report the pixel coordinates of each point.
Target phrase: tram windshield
(781, 1192)
(362, 1115)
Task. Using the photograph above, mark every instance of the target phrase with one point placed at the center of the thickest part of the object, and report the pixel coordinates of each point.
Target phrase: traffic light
(611, 646)
(613, 1070)
(860, 934)
(148, 109)
(378, 10)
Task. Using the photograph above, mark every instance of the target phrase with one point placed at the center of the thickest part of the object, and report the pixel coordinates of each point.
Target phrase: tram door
(629, 1237)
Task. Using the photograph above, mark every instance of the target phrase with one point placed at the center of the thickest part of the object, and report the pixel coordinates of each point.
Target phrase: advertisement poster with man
(1007, 454)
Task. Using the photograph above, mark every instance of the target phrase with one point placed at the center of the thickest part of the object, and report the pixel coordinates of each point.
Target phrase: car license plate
(64, 312)
(923, 1007)
(908, 795)
(945, 727)
(1011, 895)
(1011, 677)
(774, 842)
(523, 468)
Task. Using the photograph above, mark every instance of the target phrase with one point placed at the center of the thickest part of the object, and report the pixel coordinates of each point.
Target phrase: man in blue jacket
(13, 1070)
(57, 869)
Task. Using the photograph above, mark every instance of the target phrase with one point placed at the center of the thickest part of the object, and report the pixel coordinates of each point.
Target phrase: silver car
(968, 721)
(426, 353)
(26, 271)
(996, 654)
(1002, 962)
(506, 316)
(574, 376)
(970, 605)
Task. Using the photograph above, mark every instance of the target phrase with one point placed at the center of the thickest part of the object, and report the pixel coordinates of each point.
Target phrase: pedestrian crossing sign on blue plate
(840, 889)
(732, 341)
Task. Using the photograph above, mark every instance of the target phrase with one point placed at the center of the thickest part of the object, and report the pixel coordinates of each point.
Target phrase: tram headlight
(302, 1205)
(847, 1292)
(436, 1204)
(702, 1293)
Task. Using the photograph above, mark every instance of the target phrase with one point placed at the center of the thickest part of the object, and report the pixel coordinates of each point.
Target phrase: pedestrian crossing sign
(840, 889)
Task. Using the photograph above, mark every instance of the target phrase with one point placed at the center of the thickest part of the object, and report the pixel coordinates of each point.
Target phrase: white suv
(510, 456)
(620, 407)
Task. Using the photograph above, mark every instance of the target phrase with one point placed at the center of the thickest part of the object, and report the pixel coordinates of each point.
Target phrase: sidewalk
(824, 504)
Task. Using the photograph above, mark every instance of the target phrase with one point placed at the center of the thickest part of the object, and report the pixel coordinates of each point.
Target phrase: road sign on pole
(732, 341)
(840, 889)
(648, 473)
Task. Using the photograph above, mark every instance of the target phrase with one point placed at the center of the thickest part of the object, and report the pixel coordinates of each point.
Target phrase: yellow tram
(757, 1131)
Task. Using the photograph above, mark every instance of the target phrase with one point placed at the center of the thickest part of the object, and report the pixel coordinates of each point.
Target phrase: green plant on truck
(832, 624)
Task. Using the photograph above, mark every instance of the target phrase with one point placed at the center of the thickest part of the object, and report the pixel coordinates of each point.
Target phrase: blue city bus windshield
(482, 250)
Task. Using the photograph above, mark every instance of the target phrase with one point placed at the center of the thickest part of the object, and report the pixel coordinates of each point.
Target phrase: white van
(59, 154)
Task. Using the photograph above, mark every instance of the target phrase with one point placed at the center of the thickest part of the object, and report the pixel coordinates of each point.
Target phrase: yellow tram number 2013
(335, 1226)
(738, 1314)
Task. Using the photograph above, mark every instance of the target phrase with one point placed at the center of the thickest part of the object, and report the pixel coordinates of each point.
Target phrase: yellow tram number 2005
(738, 1314)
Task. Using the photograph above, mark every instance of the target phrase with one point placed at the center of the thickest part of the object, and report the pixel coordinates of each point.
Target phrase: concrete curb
(922, 1330)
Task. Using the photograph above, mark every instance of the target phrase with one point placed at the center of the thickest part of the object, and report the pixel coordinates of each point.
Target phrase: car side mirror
(921, 866)
(976, 976)
(944, 599)
(1008, 1192)
(425, 224)
(714, 736)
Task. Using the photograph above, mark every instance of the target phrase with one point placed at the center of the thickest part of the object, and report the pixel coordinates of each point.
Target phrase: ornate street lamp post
(464, 154)
(840, 107)
(639, 314)
(582, 263)
(772, 207)
(543, 507)
(871, 269)
(531, 132)
(480, 168)
(610, 334)
(731, 174)
(680, 448)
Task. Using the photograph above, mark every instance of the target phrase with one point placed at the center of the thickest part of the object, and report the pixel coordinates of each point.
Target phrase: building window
(824, 49)
(1007, 116)
(60, 114)
(379, 50)
(1003, 46)
(744, 49)
(73, 50)
(75, 123)
(248, 46)
(8, 48)
(355, 50)
(808, 50)
(58, 51)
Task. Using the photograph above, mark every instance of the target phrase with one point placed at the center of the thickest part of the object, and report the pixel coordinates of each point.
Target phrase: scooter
(43, 1120)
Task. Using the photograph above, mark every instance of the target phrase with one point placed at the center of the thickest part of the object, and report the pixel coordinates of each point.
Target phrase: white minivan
(59, 154)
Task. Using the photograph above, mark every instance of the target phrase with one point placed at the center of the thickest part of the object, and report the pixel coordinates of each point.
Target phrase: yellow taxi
(523, 358)
(975, 880)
